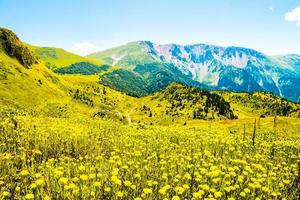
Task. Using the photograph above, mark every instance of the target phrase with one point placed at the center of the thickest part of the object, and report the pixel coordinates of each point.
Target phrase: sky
(86, 26)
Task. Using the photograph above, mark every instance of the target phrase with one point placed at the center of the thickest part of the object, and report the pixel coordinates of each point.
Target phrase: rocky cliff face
(12, 46)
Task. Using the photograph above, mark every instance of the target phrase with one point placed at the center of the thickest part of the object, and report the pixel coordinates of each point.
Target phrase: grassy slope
(37, 89)
(127, 54)
(260, 103)
(57, 57)
(32, 87)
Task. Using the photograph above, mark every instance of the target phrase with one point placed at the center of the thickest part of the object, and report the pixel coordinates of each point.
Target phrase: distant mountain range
(145, 67)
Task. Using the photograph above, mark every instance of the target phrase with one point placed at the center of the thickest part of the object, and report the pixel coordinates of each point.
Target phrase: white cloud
(293, 15)
(83, 48)
(272, 9)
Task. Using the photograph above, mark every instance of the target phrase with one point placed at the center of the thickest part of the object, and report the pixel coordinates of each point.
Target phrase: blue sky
(83, 26)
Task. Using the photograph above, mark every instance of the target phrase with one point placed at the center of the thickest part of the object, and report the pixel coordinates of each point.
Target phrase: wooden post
(275, 122)
(244, 136)
(254, 132)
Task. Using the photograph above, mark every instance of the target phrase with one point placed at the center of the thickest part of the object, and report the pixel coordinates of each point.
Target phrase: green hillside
(57, 57)
(84, 68)
(126, 56)
(261, 103)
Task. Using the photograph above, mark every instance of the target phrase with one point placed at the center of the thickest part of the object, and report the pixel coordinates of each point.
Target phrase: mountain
(226, 68)
(147, 78)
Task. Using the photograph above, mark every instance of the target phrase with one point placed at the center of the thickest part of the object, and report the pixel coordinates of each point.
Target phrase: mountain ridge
(231, 68)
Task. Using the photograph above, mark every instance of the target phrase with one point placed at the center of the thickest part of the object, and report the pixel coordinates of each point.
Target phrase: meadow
(65, 136)
(85, 158)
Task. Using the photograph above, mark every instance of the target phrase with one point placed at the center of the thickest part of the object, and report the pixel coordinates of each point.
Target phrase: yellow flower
(6, 194)
(198, 194)
(179, 190)
(216, 180)
(39, 182)
(92, 176)
(70, 186)
(33, 186)
(227, 189)
(81, 168)
(75, 179)
(116, 180)
(274, 194)
(147, 190)
(162, 191)
(243, 194)
(281, 185)
(119, 194)
(187, 176)
(63, 181)
(204, 187)
(133, 187)
(29, 196)
(115, 172)
(17, 189)
(127, 183)
(175, 198)
(24, 173)
(218, 194)
(58, 173)
(247, 191)
(97, 184)
(38, 175)
(138, 198)
(186, 186)
(107, 189)
(265, 189)
(84, 177)
(46, 198)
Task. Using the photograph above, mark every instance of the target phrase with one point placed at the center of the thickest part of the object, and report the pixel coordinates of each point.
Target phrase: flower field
(52, 158)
